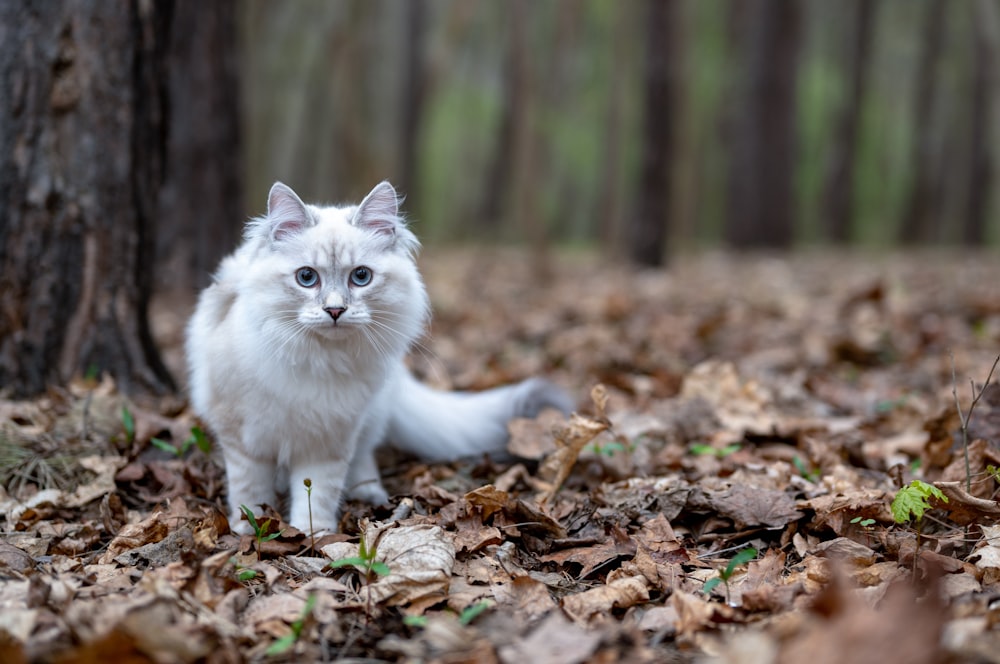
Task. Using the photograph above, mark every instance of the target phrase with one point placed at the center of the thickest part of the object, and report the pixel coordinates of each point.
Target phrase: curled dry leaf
(420, 560)
(571, 438)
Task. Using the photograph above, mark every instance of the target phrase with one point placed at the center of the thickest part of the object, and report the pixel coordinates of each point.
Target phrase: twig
(964, 418)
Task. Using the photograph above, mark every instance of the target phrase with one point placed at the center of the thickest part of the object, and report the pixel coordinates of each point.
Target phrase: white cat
(296, 359)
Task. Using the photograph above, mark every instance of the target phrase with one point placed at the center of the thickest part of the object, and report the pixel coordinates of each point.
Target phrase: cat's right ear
(286, 214)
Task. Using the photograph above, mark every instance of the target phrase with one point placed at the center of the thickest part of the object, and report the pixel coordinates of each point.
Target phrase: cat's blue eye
(361, 276)
(306, 277)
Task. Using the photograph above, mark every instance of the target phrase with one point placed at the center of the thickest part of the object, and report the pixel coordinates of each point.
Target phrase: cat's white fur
(304, 380)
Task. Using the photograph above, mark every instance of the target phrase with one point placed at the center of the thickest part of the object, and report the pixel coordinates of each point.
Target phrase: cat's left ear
(379, 214)
(286, 213)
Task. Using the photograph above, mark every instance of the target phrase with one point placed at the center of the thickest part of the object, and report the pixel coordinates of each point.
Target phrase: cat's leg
(364, 482)
(326, 478)
(251, 482)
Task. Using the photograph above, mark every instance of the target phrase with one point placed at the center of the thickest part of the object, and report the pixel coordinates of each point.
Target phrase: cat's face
(334, 274)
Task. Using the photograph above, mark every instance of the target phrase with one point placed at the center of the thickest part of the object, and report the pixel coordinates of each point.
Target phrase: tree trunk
(839, 195)
(500, 175)
(414, 93)
(648, 237)
(201, 204)
(83, 145)
(983, 81)
(763, 128)
(919, 216)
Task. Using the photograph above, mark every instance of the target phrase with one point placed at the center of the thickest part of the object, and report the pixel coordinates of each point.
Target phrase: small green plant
(702, 449)
(246, 574)
(309, 500)
(607, 449)
(811, 474)
(910, 502)
(283, 644)
(259, 530)
(744, 556)
(197, 438)
(128, 422)
(364, 562)
(864, 523)
(467, 615)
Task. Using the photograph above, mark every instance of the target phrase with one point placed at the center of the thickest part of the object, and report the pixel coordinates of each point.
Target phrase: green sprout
(703, 449)
(811, 474)
(197, 438)
(259, 530)
(364, 562)
(128, 421)
(744, 556)
(864, 523)
(467, 615)
(283, 644)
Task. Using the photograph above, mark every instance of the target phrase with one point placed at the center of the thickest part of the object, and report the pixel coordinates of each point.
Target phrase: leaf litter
(730, 407)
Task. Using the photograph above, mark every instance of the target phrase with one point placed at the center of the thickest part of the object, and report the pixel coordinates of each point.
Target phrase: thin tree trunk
(609, 203)
(763, 128)
(500, 175)
(981, 166)
(839, 195)
(83, 132)
(649, 229)
(201, 204)
(919, 215)
(414, 92)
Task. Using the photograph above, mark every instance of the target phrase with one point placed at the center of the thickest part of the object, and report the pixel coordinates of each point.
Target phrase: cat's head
(336, 273)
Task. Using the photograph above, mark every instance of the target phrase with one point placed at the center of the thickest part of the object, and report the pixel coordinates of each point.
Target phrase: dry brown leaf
(420, 560)
(555, 641)
(621, 593)
(525, 595)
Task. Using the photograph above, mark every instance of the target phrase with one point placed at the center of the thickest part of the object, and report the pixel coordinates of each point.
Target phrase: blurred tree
(761, 126)
(414, 92)
(985, 26)
(649, 226)
(83, 128)
(201, 204)
(838, 210)
(513, 121)
(609, 200)
(922, 208)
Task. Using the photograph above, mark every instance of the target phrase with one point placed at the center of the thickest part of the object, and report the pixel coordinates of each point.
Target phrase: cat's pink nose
(335, 312)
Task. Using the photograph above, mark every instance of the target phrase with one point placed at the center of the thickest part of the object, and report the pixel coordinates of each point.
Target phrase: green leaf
(912, 501)
(744, 556)
(470, 613)
(701, 448)
(415, 621)
(201, 440)
(379, 568)
(353, 561)
(246, 574)
(282, 645)
(129, 423)
(165, 446)
(711, 584)
(250, 517)
(729, 449)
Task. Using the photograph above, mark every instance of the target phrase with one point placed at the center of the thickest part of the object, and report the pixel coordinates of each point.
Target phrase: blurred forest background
(756, 123)
(136, 137)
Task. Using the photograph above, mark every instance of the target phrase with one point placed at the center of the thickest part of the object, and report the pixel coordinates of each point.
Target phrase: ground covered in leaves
(724, 494)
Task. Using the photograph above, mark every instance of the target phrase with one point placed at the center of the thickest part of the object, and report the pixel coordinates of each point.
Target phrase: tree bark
(762, 127)
(839, 194)
(920, 215)
(201, 202)
(83, 120)
(649, 227)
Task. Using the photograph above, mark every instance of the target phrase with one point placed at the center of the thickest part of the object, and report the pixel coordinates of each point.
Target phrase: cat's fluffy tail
(439, 426)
